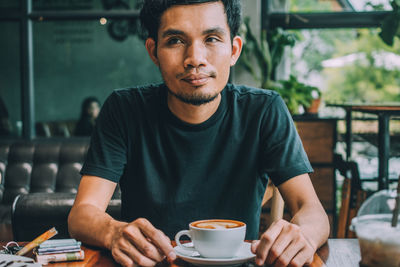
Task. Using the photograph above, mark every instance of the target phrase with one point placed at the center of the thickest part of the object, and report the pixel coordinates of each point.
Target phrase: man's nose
(195, 56)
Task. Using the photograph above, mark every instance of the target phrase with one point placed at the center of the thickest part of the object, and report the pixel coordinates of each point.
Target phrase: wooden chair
(344, 208)
(352, 197)
(277, 204)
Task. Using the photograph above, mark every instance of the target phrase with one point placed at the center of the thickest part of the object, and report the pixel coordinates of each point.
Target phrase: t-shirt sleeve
(106, 157)
(283, 155)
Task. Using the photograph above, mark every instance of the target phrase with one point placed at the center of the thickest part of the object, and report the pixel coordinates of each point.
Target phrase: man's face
(194, 51)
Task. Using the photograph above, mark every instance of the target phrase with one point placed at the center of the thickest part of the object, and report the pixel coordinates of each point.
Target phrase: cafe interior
(336, 64)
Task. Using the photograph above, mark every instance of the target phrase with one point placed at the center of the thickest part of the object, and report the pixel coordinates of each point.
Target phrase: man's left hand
(283, 244)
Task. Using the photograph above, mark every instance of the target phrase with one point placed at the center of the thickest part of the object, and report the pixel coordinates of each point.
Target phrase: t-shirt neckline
(174, 120)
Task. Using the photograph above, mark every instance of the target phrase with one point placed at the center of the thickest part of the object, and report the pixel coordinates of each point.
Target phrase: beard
(194, 99)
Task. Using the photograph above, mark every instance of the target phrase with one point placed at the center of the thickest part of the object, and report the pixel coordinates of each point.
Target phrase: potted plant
(268, 54)
(297, 95)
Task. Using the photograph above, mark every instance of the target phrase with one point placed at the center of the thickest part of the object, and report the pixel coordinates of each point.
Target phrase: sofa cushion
(44, 174)
(35, 213)
(41, 165)
(4, 149)
(45, 167)
(18, 170)
(70, 163)
(5, 213)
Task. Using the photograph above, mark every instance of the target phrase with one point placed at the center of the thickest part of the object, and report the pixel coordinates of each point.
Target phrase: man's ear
(151, 48)
(237, 44)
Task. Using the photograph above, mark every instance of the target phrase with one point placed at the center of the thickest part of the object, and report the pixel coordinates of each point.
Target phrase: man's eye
(212, 39)
(173, 41)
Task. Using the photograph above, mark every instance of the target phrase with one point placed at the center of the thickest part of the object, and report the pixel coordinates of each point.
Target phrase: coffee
(215, 238)
(217, 224)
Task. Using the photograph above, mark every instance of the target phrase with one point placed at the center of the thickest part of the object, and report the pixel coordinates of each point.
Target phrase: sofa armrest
(35, 213)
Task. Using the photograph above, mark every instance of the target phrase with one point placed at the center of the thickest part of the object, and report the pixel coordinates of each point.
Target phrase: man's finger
(254, 246)
(280, 244)
(140, 242)
(267, 240)
(122, 258)
(158, 238)
(288, 254)
(137, 257)
(301, 258)
(289, 233)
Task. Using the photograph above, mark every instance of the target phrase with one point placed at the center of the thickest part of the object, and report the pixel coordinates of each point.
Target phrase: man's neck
(190, 113)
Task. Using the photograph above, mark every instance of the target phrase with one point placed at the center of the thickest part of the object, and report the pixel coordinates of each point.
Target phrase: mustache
(189, 71)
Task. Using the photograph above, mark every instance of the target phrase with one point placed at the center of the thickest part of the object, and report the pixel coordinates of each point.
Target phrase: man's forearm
(92, 226)
(313, 223)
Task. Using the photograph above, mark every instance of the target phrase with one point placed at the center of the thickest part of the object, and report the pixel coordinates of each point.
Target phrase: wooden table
(335, 253)
(384, 112)
(340, 253)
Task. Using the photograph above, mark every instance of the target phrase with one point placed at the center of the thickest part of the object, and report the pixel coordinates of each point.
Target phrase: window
(341, 53)
(350, 64)
(337, 6)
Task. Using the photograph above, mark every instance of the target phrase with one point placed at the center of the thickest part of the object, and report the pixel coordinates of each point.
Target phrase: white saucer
(18, 261)
(242, 256)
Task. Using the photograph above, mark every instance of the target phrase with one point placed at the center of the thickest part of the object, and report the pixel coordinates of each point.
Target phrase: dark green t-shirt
(173, 173)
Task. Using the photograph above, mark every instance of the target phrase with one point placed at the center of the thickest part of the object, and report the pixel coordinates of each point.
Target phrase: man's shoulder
(132, 96)
(245, 90)
(252, 94)
(141, 90)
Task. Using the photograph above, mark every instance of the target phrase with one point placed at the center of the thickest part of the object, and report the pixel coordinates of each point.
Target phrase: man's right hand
(131, 244)
(140, 243)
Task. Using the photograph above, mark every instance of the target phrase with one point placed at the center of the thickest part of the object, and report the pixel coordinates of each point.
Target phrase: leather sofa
(38, 183)
(55, 128)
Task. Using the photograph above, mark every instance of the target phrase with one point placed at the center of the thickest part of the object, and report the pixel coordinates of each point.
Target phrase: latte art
(214, 238)
(217, 224)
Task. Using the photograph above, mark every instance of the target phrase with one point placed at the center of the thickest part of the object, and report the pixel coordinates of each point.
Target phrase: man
(194, 148)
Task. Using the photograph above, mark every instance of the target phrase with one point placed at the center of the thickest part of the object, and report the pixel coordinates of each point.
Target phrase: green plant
(365, 80)
(268, 54)
(296, 94)
(390, 27)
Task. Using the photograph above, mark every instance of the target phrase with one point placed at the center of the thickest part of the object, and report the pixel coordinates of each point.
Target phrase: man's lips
(196, 79)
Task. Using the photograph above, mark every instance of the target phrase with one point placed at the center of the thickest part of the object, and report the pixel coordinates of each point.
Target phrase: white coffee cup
(214, 238)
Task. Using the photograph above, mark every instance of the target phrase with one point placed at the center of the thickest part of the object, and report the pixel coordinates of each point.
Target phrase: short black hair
(152, 10)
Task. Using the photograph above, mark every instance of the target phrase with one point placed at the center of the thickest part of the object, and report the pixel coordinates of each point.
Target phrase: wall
(10, 69)
(72, 60)
(78, 59)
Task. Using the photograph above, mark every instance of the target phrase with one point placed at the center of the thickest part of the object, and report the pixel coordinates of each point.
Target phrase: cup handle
(178, 242)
